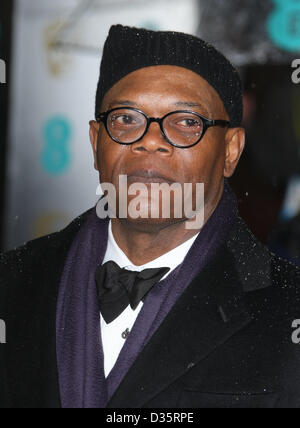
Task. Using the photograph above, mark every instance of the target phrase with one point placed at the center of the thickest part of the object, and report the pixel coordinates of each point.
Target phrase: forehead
(165, 85)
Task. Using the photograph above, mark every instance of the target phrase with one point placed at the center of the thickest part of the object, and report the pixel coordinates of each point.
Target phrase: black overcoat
(229, 341)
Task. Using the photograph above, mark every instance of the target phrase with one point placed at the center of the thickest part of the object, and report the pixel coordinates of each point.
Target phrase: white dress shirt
(114, 334)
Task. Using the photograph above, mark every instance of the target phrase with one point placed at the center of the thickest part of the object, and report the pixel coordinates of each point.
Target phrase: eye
(190, 123)
(123, 120)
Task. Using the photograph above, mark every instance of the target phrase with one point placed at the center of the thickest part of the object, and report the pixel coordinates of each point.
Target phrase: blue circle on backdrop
(56, 154)
(283, 25)
(150, 25)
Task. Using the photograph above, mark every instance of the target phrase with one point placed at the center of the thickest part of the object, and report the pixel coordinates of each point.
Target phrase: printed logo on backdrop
(77, 33)
(59, 61)
(56, 154)
(2, 71)
(49, 222)
(283, 24)
(150, 25)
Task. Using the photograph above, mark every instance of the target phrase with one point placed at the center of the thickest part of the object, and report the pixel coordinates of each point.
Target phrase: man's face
(157, 91)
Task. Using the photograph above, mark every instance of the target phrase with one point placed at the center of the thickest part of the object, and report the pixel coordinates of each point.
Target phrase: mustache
(145, 174)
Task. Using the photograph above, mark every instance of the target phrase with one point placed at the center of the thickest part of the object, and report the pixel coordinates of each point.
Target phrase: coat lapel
(34, 383)
(210, 311)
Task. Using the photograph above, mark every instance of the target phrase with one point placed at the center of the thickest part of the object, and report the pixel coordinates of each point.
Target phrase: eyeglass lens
(128, 126)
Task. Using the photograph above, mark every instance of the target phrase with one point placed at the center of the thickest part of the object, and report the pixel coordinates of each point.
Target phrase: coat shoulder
(268, 280)
(36, 252)
(283, 298)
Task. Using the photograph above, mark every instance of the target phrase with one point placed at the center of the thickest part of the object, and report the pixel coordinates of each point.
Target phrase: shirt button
(125, 334)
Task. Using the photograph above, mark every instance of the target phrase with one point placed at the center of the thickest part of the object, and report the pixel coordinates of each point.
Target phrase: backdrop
(56, 56)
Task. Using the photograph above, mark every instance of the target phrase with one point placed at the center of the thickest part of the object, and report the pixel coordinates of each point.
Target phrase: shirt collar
(172, 259)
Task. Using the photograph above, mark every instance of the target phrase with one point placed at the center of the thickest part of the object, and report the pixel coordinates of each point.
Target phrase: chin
(151, 224)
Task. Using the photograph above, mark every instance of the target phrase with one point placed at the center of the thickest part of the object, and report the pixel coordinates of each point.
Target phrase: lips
(148, 176)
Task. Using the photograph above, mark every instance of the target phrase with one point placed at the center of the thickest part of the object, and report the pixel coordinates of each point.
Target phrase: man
(142, 311)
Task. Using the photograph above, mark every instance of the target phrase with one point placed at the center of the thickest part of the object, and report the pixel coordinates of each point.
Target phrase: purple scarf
(79, 344)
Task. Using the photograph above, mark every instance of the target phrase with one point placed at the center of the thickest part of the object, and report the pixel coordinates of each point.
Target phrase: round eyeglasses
(182, 128)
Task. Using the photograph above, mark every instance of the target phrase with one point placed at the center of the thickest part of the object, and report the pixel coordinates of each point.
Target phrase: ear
(94, 134)
(235, 144)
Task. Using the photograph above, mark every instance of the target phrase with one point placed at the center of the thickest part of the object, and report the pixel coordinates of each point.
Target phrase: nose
(153, 142)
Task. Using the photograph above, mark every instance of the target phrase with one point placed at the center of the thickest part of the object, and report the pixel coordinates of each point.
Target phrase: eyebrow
(192, 104)
(125, 103)
(186, 104)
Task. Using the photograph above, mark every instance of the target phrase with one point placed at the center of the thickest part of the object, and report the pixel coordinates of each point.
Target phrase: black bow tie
(117, 288)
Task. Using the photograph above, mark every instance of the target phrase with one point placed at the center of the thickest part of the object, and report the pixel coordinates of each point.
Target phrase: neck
(144, 242)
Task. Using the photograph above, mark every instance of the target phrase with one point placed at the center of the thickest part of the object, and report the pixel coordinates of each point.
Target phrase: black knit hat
(129, 49)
